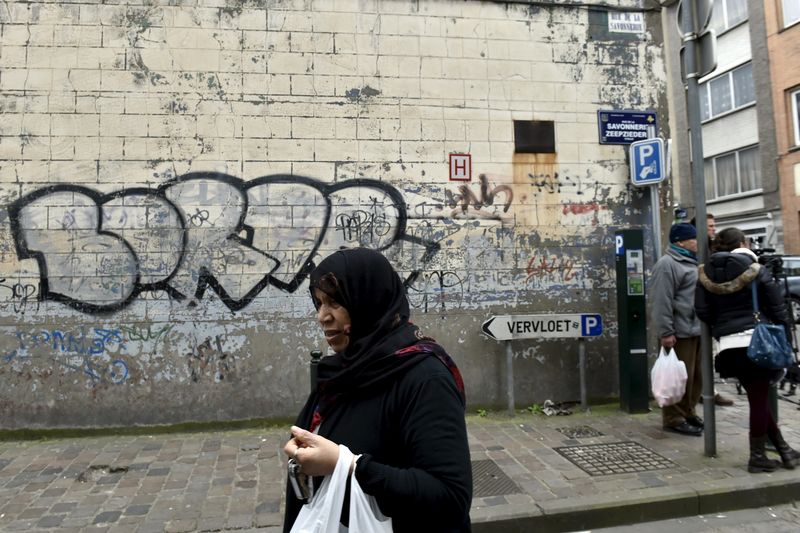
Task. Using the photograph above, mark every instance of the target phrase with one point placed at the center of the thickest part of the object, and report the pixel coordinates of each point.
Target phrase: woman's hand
(317, 455)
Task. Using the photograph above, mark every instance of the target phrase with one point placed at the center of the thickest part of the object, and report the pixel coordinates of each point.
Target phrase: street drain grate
(614, 458)
(579, 432)
(489, 480)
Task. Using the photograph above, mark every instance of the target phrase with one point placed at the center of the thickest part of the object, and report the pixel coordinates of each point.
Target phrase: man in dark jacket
(711, 229)
(672, 288)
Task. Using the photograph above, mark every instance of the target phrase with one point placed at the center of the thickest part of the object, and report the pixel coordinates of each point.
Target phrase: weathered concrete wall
(169, 174)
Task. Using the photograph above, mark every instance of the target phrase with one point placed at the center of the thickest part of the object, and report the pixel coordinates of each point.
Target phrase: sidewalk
(526, 476)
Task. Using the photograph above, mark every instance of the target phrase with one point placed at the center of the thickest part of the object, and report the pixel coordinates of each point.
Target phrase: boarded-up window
(534, 137)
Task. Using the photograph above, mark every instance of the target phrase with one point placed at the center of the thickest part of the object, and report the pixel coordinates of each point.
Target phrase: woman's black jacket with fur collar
(723, 298)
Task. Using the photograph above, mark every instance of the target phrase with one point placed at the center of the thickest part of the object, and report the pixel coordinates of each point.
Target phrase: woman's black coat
(723, 298)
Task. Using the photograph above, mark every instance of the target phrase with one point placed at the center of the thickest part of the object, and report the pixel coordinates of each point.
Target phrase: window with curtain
(727, 92)
(705, 105)
(790, 9)
(725, 170)
(744, 90)
(749, 170)
(736, 11)
(720, 92)
(708, 173)
(733, 173)
(796, 116)
(728, 13)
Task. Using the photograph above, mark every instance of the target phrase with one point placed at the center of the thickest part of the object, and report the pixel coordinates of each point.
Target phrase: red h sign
(460, 167)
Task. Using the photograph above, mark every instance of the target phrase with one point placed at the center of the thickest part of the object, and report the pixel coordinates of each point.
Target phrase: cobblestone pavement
(558, 473)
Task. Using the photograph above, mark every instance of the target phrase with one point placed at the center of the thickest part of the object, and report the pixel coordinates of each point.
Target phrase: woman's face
(334, 319)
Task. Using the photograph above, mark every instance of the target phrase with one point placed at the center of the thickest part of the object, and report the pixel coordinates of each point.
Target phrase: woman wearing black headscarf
(388, 393)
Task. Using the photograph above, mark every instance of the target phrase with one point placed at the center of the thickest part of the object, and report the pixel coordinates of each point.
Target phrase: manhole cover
(489, 480)
(579, 432)
(614, 458)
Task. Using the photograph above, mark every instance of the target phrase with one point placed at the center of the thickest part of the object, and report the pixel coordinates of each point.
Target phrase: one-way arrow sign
(511, 327)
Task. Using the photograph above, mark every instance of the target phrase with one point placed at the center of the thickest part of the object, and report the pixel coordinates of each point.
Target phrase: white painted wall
(730, 132)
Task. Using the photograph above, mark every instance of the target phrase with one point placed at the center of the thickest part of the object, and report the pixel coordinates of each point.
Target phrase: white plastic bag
(668, 378)
(323, 512)
(365, 516)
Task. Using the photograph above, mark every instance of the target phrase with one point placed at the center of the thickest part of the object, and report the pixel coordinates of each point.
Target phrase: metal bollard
(316, 355)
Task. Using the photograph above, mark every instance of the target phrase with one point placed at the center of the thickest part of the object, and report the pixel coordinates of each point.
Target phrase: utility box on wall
(633, 376)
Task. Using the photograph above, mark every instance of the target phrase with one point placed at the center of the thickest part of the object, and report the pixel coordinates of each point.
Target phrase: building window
(728, 13)
(534, 137)
(796, 116)
(730, 91)
(733, 173)
(791, 12)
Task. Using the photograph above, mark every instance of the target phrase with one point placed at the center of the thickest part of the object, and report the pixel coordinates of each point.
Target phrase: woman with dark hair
(388, 393)
(724, 301)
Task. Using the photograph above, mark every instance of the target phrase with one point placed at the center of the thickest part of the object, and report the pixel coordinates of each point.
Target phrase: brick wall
(169, 174)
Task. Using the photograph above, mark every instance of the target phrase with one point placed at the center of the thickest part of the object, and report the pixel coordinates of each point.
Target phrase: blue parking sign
(647, 162)
(591, 325)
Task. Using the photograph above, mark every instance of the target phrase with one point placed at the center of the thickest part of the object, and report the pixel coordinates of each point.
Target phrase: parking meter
(634, 382)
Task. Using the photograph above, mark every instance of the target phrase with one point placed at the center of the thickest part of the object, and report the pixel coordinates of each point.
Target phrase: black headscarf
(383, 343)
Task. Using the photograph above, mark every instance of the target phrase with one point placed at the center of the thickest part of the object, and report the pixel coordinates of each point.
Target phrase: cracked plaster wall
(169, 174)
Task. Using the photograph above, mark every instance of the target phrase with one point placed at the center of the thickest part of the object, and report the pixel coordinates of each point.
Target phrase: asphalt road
(779, 519)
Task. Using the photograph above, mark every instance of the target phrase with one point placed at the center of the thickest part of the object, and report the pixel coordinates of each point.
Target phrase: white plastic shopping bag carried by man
(668, 378)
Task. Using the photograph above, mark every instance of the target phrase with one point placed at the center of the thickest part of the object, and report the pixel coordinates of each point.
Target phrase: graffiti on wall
(20, 294)
(200, 231)
(466, 203)
(556, 268)
(209, 360)
(91, 352)
(438, 290)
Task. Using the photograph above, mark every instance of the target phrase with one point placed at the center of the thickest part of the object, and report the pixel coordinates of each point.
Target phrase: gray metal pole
(582, 368)
(699, 189)
(510, 378)
(656, 208)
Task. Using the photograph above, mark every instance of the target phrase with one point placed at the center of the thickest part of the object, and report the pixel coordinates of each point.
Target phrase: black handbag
(768, 347)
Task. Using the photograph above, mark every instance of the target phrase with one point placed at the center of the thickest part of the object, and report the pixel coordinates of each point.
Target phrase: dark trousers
(688, 351)
(761, 420)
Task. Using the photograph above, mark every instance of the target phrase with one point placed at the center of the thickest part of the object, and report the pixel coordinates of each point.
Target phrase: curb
(645, 505)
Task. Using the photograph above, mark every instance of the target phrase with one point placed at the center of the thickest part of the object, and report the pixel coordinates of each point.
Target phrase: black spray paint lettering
(467, 198)
(205, 357)
(364, 227)
(97, 252)
(556, 183)
(434, 290)
(21, 294)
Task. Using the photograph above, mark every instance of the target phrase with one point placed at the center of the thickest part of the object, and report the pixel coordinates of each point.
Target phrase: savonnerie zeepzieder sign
(625, 127)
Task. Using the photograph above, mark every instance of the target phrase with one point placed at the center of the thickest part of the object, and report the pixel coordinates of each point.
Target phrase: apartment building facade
(783, 41)
(742, 186)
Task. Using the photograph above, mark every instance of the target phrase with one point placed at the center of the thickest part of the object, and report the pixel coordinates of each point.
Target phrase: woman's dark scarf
(383, 343)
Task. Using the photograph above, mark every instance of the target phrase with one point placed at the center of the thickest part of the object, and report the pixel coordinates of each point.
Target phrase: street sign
(647, 162)
(705, 55)
(687, 23)
(625, 127)
(513, 327)
(626, 22)
(460, 167)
